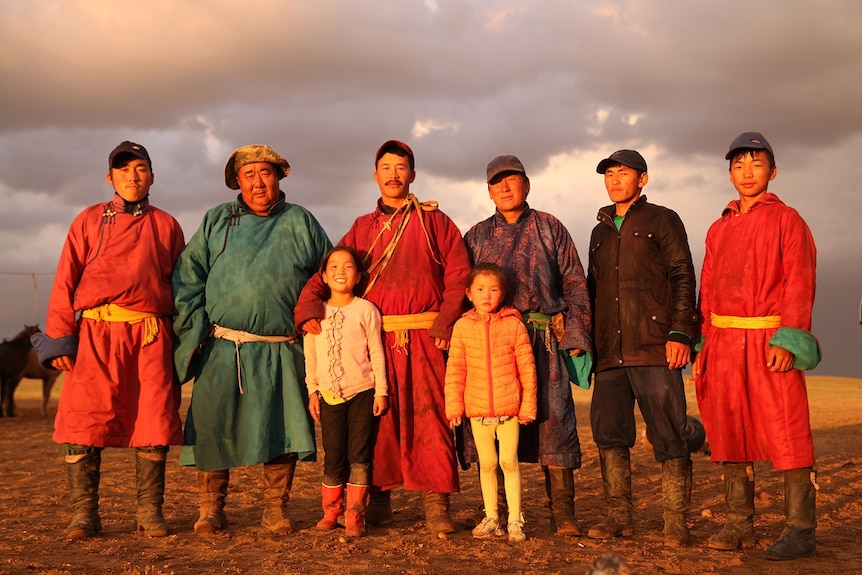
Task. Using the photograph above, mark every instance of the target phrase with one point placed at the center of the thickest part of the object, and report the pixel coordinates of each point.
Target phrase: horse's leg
(13, 383)
(4, 388)
(47, 384)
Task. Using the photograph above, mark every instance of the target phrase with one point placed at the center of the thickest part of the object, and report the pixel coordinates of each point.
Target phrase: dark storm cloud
(559, 83)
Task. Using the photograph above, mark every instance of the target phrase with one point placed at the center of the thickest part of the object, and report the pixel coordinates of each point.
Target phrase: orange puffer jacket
(491, 370)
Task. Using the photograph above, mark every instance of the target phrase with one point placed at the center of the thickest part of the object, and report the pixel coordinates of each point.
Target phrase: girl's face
(485, 293)
(340, 273)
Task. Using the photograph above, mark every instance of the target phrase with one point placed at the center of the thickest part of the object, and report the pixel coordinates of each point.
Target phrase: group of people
(405, 331)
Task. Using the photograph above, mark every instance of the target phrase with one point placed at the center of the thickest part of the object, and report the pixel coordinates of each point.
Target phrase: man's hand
(696, 366)
(779, 359)
(311, 326)
(677, 354)
(63, 363)
(441, 343)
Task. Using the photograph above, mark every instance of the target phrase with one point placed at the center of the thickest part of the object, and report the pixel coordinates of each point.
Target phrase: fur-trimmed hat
(252, 154)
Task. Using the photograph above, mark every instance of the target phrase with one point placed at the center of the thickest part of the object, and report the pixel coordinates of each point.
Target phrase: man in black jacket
(642, 288)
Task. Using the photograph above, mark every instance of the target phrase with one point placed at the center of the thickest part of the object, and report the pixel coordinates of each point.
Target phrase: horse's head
(27, 332)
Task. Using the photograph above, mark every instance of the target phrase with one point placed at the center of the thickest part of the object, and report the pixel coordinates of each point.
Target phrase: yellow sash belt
(115, 313)
(401, 324)
(737, 322)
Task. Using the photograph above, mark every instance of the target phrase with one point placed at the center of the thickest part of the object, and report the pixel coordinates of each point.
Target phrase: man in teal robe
(235, 287)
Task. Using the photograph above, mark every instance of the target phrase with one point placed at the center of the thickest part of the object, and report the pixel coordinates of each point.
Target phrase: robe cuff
(578, 367)
(802, 344)
(50, 348)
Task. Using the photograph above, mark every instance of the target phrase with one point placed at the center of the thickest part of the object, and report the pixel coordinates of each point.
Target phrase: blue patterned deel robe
(545, 275)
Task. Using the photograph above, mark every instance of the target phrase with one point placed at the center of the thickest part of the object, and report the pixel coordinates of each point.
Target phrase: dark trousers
(660, 393)
(347, 430)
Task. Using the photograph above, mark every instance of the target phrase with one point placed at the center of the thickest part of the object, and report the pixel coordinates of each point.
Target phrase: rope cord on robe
(545, 322)
(737, 322)
(410, 205)
(402, 324)
(239, 337)
(113, 312)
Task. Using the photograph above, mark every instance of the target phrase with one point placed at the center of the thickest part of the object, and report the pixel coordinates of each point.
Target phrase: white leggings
(506, 434)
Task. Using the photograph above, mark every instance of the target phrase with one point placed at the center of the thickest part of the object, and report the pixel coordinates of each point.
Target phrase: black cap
(128, 148)
(748, 141)
(629, 158)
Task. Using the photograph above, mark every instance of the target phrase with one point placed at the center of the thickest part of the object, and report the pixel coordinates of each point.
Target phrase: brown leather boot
(150, 477)
(379, 508)
(676, 491)
(560, 487)
(738, 530)
(84, 475)
(617, 480)
(278, 480)
(437, 513)
(800, 499)
(212, 490)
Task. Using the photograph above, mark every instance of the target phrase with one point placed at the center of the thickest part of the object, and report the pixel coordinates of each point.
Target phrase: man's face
(509, 192)
(258, 183)
(393, 177)
(624, 186)
(750, 174)
(132, 182)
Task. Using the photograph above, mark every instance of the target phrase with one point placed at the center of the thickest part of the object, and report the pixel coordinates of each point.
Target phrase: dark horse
(34, 370)
(13, 360)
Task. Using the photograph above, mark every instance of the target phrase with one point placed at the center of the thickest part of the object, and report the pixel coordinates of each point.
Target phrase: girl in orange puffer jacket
(491, 378)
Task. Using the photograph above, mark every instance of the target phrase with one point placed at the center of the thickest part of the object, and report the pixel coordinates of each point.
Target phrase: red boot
(354, 516)
(333, 506)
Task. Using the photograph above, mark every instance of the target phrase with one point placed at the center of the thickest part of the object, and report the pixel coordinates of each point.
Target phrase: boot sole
(789, 557)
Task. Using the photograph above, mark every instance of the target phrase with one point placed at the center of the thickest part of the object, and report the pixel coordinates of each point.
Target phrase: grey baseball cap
(502, 164)
(748, 141)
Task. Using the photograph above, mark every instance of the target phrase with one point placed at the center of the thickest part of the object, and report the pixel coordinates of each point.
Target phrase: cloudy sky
(559, 83)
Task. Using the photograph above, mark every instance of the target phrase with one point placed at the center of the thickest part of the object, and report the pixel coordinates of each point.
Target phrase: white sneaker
(486, 528)
(516, 531)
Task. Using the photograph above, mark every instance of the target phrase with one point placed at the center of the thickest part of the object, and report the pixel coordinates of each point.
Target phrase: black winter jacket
(642, 286)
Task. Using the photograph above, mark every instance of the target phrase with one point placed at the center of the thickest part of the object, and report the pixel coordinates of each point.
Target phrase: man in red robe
(417, 269)
(756, 294)
(110, 329)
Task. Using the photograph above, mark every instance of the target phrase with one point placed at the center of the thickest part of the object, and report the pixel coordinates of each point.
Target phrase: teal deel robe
(244, 272)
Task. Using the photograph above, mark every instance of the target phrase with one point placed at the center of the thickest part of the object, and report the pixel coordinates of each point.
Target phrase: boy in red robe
(110, 329)
(756, 295)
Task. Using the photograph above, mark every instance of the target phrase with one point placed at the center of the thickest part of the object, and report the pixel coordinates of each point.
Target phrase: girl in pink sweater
(346, 378)
(491, 378)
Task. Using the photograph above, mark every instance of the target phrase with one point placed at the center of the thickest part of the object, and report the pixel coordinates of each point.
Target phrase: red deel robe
(415, 445)
(120, 393)
(758, 263)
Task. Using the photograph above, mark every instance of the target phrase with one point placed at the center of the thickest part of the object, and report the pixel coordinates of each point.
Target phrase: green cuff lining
(802, 344)
(579, 367)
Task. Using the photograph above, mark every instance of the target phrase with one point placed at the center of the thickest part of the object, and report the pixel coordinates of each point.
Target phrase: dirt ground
(34, 512)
